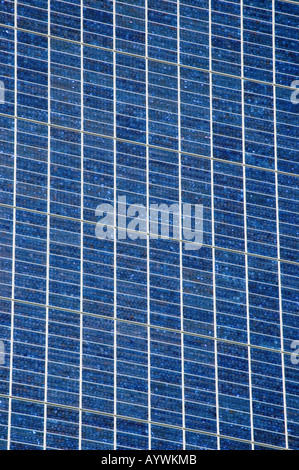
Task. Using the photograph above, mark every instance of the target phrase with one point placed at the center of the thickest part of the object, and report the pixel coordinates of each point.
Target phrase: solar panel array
(143, 343)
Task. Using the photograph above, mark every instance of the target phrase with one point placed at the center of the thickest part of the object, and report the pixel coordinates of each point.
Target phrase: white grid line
(269, 446)
(82, 233)
(159, 60)
(155, 86)
(48, 229)
(115, 222)
(294, 2)
(140, 20)
(278, 233)
(180, 224)
(196, 335)
(155, 147)
(154, 59)
(14, 227)
(148, 231)
(245, 227)
(213, 229)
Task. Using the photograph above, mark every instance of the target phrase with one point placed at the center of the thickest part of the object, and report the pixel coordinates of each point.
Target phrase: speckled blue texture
(77, 350)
